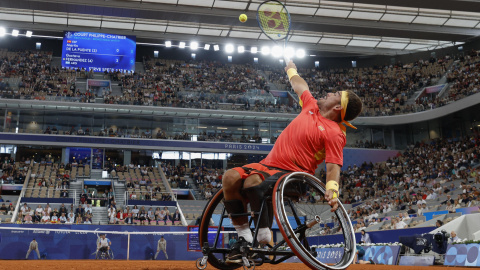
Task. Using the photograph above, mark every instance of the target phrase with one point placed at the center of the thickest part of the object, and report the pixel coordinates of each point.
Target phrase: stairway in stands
(77, 186)
(96, 174)
(196, 192)
(119, 194)
(100, 215)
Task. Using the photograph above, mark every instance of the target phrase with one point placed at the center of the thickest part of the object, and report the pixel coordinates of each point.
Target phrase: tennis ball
(242, 18)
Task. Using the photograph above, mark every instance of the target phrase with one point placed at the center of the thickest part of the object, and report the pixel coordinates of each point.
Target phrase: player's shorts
(263, 171)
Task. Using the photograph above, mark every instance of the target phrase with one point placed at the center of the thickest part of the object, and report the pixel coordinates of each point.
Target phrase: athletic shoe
(235, 255)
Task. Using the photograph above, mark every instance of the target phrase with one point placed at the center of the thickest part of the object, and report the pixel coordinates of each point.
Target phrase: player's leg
(255, 195)
(28, 253)
(166, 255)
(232, 183)
(38, 254)
(156, 254)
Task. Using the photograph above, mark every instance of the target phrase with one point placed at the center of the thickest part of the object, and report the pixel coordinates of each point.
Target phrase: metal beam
(458, 5)
(159, 38)
(190, 14)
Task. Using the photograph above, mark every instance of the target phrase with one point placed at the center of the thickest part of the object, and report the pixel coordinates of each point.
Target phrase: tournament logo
(68, 34)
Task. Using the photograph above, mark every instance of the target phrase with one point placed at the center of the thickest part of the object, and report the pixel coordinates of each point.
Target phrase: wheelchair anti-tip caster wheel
(201, 263)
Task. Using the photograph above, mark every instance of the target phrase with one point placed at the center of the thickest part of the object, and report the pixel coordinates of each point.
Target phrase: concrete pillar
(65, 155)
(127, 157)
(393, 138)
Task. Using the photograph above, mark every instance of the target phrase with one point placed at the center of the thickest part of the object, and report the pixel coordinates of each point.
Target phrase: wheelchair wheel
(110, 254)
(214, 208)
(299, 220)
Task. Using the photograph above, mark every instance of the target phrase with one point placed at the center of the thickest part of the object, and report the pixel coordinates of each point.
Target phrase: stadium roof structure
(362, 27)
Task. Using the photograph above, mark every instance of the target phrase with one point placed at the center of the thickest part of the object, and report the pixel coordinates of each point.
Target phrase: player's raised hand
(333, 202)
(290, 65)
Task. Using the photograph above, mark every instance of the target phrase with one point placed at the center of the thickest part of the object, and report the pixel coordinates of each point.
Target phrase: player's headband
(344, 103)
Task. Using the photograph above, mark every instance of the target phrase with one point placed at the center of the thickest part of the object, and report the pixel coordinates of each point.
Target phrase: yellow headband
(344, 103)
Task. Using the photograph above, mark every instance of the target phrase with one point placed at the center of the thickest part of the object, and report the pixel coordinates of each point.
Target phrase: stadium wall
(62, 245)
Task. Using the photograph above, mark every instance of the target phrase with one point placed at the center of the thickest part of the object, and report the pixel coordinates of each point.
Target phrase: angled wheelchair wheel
(110, 254)
(212, 213)
(300, 220)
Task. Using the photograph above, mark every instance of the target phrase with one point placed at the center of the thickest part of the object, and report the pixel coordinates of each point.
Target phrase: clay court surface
(170, 265)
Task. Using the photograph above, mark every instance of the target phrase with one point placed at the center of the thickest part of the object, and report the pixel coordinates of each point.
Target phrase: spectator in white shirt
(400, 224)
(453, 237)
(88, 208)
(24, 208)
(46, 218)
(63, 218)
(365, 238)
(373, 222)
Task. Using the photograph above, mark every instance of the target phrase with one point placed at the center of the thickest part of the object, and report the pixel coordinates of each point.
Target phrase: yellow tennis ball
(242, 18)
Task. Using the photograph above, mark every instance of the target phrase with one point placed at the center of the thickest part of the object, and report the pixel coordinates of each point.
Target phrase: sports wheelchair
(104, 254)
(297, 221)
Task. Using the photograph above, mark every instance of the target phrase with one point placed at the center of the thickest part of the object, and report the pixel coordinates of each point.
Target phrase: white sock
(264, 236)
(244, 231)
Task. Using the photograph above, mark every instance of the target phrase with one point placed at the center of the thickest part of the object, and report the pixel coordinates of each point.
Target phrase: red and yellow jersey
(307, 141)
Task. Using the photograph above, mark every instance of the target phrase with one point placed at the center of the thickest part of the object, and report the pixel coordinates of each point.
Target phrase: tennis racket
(274, 20)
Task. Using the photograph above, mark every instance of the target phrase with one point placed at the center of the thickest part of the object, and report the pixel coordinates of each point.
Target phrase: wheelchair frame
(263, 254)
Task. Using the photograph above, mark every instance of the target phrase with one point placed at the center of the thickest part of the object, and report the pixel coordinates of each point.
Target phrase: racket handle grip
(286, 59)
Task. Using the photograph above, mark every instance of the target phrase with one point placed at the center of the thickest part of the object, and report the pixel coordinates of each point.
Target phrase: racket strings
(274, 20)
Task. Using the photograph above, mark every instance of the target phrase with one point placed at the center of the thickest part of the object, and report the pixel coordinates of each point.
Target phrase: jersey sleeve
(334, 148)
(307, 101)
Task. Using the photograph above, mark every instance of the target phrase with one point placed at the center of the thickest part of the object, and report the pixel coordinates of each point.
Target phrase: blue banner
(351, 156)
(47, 200)
(77, 245)
(98, 182)
(98, 51)
(387, 255)
(152, 203)
(463, 255)
(429, 215)
(387, 236)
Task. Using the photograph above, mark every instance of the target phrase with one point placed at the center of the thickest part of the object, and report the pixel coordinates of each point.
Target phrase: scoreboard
(98, 51)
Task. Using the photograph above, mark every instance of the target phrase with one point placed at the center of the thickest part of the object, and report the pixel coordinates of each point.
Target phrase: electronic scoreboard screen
(98, 51)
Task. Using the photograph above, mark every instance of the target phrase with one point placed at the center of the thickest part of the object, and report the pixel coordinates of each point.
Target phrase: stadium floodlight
(168, 44)
(277, 51)
(300, 53)
(216, 47)
(193, 45)
(181, 45)
(265, 50)
(15, 32)
(241, 49)
(29, 34)
(254, 50)
(229, 48)
(289, 52)
(2, 31)
(206, 47)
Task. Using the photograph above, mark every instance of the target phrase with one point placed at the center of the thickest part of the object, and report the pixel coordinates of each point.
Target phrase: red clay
(170, 265)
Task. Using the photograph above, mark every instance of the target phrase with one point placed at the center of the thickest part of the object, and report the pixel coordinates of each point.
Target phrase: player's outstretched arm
(299, 85)
(333, 173)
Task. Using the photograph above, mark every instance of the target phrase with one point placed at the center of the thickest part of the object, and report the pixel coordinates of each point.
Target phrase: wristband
(332, 185)
(292, 72)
